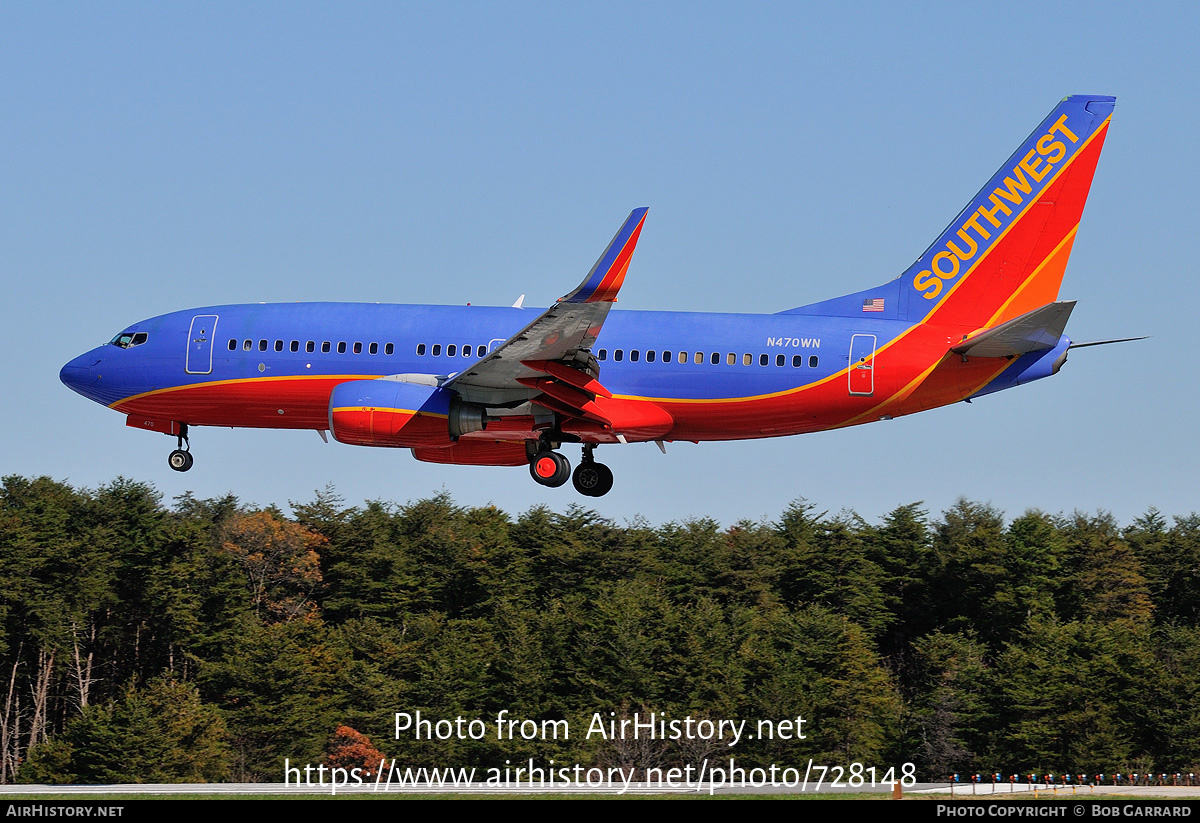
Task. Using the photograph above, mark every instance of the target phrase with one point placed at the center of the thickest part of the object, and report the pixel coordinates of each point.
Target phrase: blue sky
(159, 156)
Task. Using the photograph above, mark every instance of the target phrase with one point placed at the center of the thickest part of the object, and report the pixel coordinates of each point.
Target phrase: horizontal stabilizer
(1037, 330)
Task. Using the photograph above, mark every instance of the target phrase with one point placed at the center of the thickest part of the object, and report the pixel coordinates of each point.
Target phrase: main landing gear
(551, 468)
(591, 478)
(181, 459)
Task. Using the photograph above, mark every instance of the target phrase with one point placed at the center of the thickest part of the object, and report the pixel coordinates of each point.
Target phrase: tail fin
(1005, 253)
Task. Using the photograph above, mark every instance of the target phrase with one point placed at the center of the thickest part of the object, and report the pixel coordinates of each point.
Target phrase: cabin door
(200, 344)
(862, 364)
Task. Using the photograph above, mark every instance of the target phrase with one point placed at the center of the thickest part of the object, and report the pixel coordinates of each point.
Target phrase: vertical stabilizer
(1005, 253)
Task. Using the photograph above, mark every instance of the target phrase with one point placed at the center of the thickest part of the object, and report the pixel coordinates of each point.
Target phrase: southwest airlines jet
(976, 313)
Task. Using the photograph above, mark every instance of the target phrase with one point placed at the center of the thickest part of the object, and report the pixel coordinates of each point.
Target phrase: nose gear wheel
(181, 458)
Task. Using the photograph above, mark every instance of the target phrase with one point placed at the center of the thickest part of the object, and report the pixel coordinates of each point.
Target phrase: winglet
(605, 279)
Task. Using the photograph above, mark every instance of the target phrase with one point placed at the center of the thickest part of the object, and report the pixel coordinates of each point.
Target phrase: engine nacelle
(390, 413)
(401, 414)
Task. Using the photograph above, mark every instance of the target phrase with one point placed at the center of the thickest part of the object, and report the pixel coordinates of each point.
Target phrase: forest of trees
(207, 641)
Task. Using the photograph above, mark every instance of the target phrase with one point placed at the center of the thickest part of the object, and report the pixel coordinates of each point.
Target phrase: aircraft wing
(563, 334)
(1037, 330)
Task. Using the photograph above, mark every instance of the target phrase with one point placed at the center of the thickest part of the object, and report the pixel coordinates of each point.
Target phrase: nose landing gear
(181, 459)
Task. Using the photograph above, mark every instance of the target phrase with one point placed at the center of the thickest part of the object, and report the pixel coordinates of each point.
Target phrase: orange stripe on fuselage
(254, 402)
(906, 382)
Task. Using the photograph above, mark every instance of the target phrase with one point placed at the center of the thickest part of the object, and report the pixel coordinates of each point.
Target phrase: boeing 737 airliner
(975, 313)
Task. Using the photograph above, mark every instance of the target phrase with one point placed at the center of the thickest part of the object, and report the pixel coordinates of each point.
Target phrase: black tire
(179, 460)
(550, 468)
(606, 480)
(592, 479)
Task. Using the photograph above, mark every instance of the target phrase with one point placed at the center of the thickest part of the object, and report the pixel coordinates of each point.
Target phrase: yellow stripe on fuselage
(186, 386)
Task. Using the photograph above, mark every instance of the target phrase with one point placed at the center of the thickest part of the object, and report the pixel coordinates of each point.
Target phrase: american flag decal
(873, 304)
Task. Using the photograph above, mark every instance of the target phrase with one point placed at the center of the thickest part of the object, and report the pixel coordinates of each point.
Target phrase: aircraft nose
(78, 374)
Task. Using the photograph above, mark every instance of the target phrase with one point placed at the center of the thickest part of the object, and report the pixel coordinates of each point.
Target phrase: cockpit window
(126, 339)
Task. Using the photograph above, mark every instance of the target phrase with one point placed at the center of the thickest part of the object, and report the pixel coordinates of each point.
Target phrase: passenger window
(374, 348)
(683, 357)
(635, 355)
(357, 348)
(232, 344)
(389, 348)
(762, 359)
(295, 345)
(467, 350)
(341, 347)
(797, 361)
(420, 349)
(602, 354)
(747, 360)
(262, 345)
(278, 345)
(650, 356)
(310, 346)
(437, 349)
(480, 351)
(731, 359)
(779, 360)
(699, 358)
(666, 358)
(812, 362)
(248, 345)
(715, 359)
(325, 347)
(619, 355)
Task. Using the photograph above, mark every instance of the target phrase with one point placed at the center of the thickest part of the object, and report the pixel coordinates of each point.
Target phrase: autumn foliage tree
(351, 749)
(281, 563)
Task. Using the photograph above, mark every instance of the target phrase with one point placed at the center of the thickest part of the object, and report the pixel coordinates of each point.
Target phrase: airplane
(508, 386)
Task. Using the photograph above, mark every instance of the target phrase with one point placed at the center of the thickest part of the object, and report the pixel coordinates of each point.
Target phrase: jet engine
(395, 413)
